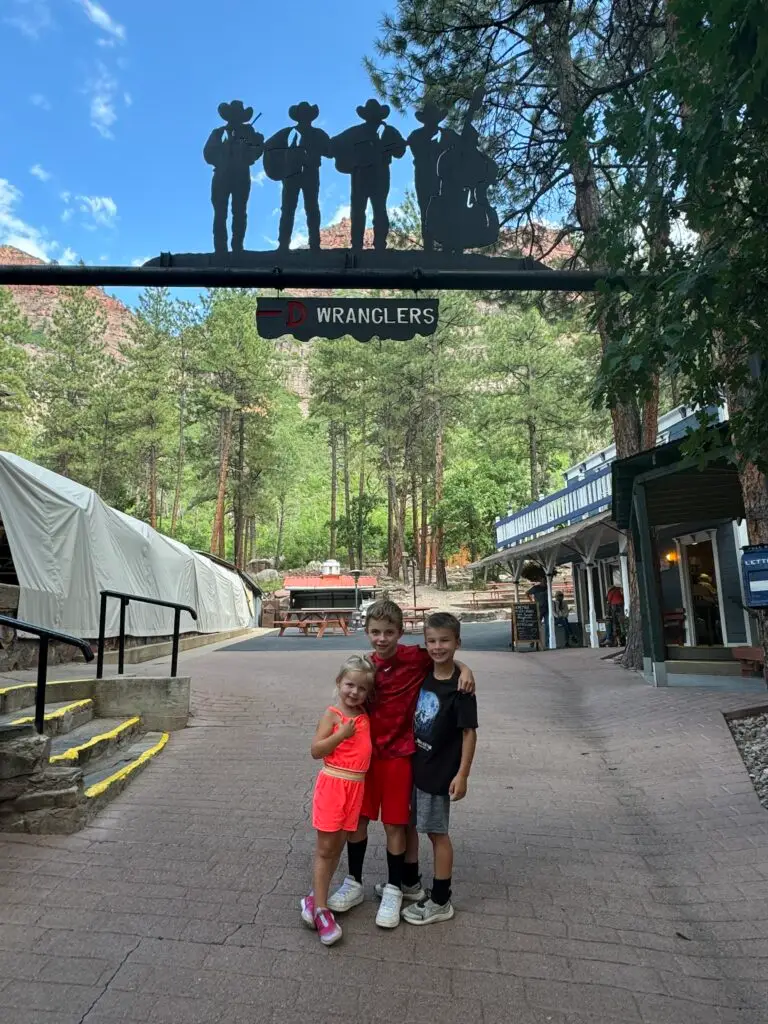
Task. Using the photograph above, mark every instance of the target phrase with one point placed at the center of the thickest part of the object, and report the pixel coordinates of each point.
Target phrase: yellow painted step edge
(100, 787)
(56, 714)
(32, 683)
(73, 753)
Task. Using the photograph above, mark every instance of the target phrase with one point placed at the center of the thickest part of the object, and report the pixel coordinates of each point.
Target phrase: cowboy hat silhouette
(373, 111)
(303, 111)
(235, 112)
(430, 113)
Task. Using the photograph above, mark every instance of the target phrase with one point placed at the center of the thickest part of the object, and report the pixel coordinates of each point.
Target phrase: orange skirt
(336, 804)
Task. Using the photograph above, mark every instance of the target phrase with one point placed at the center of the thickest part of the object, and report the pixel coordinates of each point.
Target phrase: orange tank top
(354, 753)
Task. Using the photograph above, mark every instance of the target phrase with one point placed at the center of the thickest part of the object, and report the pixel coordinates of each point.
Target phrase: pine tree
(15, 370)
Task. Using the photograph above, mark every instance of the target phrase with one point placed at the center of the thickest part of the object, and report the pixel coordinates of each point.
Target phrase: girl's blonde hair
(358, 663)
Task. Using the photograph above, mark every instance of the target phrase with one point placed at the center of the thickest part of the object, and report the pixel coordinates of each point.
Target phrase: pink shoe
(308, 911)
(327, 927)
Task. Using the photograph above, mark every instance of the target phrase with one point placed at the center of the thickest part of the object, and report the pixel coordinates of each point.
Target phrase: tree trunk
(280, 527)
(334, 488)
(179, 469)
(226, 418)
(153, 487)
(424, 529)
(347, 499)
(360, 500)
(533, 458)
(415, 519)
(441, 577)
(239, 504)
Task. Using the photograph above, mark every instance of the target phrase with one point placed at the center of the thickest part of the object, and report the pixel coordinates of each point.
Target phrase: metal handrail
(44, 636)
(125, 600)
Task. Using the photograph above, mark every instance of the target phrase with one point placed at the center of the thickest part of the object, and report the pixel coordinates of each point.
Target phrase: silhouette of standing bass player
(366, 151)
(293, 156)
(232, 150)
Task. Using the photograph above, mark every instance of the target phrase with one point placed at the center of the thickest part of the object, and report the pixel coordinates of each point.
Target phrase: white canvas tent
(67, 546)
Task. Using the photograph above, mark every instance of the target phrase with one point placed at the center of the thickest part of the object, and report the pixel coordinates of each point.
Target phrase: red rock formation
(37, 302)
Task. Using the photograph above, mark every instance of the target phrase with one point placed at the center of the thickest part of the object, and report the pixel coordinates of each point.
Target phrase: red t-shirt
(398, 681)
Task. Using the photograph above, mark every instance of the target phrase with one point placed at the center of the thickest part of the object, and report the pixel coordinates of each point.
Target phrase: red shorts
(336, 804)
(388, 790)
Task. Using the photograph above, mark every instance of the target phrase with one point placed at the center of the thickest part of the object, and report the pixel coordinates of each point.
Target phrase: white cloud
(101, 90)
(140, 261)
(342, 213)
(299, 240)
(68, 257)
(68, 214)
(127, 99)
(30, 17)
(102, 209)
(17, 232)
(39, 172)
(259, 178)
(103, 20)
(38, 100)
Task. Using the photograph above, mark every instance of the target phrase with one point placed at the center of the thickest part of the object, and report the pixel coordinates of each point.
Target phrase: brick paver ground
(612, 866)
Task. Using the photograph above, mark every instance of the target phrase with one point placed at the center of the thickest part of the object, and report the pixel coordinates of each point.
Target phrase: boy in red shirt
(400, 671)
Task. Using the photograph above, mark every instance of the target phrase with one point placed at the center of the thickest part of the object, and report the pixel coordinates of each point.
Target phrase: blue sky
(108, 105)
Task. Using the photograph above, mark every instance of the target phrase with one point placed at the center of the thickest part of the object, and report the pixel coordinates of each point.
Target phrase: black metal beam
(302, 277)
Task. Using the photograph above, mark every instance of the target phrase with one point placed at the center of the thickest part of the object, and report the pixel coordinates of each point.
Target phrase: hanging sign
(363, 319)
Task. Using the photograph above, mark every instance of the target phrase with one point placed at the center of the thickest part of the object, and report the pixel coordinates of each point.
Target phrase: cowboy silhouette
(293, 156)
(232, 150)
(426, 145)
(366, 151)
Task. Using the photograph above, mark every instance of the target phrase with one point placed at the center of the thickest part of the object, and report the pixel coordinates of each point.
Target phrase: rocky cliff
(37, 302)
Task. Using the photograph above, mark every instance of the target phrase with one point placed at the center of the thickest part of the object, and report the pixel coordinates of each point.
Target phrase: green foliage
(15, 403)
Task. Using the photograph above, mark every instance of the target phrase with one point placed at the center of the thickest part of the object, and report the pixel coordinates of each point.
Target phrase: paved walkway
(612, 868)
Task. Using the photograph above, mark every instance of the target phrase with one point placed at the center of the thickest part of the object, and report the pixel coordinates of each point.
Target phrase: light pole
(356, 573)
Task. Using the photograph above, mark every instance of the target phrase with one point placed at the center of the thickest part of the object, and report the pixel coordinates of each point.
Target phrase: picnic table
(415, 615)
(315, 620)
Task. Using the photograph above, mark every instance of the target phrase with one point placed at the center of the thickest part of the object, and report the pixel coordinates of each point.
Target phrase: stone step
(107, 776)
(704, 668)
(22, 695)
(61, 717)
(95, 739)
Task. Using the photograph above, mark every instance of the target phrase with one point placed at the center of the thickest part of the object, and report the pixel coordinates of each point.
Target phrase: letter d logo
(297, 313)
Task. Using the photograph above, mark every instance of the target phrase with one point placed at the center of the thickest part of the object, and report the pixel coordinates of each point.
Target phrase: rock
(267, 575)
(313, 568)
(751, 736)
(22, 751)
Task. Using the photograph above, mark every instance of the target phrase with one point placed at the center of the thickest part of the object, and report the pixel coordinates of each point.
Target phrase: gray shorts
(430, 813)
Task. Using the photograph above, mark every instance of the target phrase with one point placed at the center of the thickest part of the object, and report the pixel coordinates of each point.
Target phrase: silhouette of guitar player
(293, 156)
(232, 150)
(365, 152)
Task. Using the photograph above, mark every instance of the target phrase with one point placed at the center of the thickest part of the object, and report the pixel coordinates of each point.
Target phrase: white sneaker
(348, 895)
(391, 905)
(427, 912)
(411, 893)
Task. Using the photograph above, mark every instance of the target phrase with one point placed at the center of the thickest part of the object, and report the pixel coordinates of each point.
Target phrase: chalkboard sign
(526, 627)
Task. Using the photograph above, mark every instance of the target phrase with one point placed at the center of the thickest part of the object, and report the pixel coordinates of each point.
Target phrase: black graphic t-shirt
(442, 714)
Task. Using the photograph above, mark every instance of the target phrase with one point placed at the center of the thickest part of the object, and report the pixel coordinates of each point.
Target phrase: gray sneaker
(427, 912)
(411, 893)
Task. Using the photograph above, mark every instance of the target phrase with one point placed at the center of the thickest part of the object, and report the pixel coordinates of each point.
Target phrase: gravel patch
(751, 736)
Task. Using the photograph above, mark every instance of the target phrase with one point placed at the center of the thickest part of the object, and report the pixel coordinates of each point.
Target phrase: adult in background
(561, 618)
(232, 150)
(614, 620)
(540, 595)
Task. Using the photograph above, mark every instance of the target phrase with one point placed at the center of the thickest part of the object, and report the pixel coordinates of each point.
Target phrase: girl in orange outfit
(343, 740)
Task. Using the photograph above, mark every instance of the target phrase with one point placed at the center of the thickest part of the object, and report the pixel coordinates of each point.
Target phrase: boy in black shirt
(445, 727)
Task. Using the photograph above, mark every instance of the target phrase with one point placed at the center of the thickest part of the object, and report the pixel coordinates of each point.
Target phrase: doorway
(704, 610)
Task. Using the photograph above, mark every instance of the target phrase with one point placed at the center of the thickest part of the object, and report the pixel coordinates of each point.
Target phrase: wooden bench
(330, 623)
(752, 660)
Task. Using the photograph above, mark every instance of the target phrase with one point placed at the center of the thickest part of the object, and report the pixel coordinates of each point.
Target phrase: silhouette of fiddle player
(232, 150)
(366, 151)
(293, 156)
(426, 146)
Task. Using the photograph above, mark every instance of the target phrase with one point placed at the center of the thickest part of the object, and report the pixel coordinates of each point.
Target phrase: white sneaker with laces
(427, 912)
(348, 895)
(391, 905)
(411, 893)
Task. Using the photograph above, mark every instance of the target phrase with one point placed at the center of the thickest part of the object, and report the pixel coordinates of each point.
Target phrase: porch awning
(570, 542)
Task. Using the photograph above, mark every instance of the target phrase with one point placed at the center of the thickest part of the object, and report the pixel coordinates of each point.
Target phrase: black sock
(355, 858)
(441, 890)
(411, 873)
(395, 863)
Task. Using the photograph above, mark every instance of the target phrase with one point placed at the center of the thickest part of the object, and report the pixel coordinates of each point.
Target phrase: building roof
(328, 583)
(576, 533)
